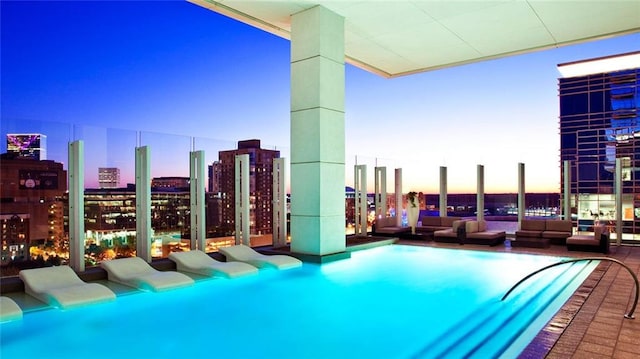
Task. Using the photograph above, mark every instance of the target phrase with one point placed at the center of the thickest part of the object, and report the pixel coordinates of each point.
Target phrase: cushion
(448, 221)
(532, 225)
(527, 233)
(456, 224)
(559, 226)
(470, 226)
(482, 225)
(430, 221)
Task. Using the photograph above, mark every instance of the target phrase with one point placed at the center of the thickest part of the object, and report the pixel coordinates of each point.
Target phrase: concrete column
(381, 191)
(279, 204)
(567, 190)
(480, 195)
(360, 203)
(618, 191)
(398, 196)
(197, 181)
(317, 132)
(242, 200)
(443, 191)
(144, 234)
(76, 205)
(521, 194)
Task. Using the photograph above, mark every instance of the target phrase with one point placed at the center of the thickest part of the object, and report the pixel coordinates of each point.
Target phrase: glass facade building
(599, 124)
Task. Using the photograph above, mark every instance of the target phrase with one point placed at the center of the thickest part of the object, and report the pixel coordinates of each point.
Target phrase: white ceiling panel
(395, 38)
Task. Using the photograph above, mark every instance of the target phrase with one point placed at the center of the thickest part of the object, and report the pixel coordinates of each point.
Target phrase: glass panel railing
(33, 191)
(170, 194)
(109, 197)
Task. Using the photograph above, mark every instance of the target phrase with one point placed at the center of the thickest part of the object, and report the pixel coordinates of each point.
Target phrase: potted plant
(413, 210)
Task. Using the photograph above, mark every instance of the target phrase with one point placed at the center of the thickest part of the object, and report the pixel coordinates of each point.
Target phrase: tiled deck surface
(591, 324)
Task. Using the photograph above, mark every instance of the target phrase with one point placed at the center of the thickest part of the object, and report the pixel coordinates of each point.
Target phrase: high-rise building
(260, 187)
(108, 177)
(27, 145)
(32, 197)
(599, 124)
(214, 177)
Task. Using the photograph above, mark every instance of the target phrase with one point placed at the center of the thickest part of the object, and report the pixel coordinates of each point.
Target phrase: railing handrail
(635, 278)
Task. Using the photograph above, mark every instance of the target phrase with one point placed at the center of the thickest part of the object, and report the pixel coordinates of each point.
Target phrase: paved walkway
(591, 324)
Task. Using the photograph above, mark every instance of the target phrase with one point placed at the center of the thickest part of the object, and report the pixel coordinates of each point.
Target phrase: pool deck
(591, 324)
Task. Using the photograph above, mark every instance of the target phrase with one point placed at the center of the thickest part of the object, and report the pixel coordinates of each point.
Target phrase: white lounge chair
(9, 310)
(201, 263)
(60, 286)
(137, 273)
(242, 253)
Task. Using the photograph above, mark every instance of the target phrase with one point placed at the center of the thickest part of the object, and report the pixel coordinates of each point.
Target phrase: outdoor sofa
(452, 234)
(387, 227)
(541, 233)
(430, 224)
(596, 242)
(475, 232)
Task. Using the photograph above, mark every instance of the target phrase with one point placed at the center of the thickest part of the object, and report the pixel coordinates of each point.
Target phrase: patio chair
(246, 254)
(199, 262)
(61, 287)
(137, 273)
(9, 310)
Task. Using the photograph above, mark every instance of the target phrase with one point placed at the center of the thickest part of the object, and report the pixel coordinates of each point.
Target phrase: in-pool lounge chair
(137, 273)
(246, 254)
(199, 262)
(61, 287)
(9, 310)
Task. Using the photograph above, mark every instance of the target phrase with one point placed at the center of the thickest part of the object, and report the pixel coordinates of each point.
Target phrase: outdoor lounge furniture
(387, 226)
(475, 232)
(136, 272)
(597, 242)
(540, 233)
(9, 310)
(451, 235)
(61, 287)
(246, 254)
(430, 224)
(199, 262)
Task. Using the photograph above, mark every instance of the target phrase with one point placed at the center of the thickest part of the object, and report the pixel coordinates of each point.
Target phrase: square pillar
(317, 132)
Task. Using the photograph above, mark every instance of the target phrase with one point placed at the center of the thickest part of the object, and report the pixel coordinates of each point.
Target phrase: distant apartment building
(27, 145)
(260, 188)
(599, 124)
(32, 204)
(108, 177)
(214, 177)
(170, 183)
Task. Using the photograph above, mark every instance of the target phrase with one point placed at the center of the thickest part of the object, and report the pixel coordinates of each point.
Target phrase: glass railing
(35, 214)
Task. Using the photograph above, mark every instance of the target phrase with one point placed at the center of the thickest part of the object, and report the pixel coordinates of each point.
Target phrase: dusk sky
(172, 67)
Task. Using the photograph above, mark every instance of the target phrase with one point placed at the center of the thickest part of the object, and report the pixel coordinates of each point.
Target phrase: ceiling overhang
(396, 38)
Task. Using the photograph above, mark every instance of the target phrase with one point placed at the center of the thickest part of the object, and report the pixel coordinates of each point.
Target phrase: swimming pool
(387, 302)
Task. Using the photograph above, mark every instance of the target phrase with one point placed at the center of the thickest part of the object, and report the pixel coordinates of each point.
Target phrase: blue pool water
(387, 302)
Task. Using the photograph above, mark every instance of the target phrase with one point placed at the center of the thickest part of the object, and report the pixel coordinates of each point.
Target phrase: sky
(156, 73)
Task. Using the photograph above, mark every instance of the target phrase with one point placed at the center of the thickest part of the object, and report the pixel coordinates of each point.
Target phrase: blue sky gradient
(174, 67)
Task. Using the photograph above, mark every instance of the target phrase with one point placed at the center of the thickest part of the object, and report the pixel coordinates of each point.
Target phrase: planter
(413, 211)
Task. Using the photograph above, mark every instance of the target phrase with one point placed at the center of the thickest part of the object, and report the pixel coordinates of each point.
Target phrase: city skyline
(175, 68)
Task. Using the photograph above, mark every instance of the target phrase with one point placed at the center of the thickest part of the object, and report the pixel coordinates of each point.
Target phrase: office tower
(260, 188)
(27, 145)
(32, 210)
(108, 177)
(214, 177)
(170, 184)
(599, 123)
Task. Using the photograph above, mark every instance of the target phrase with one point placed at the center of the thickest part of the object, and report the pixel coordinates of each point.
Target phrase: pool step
(517, 323)
(474, 336)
